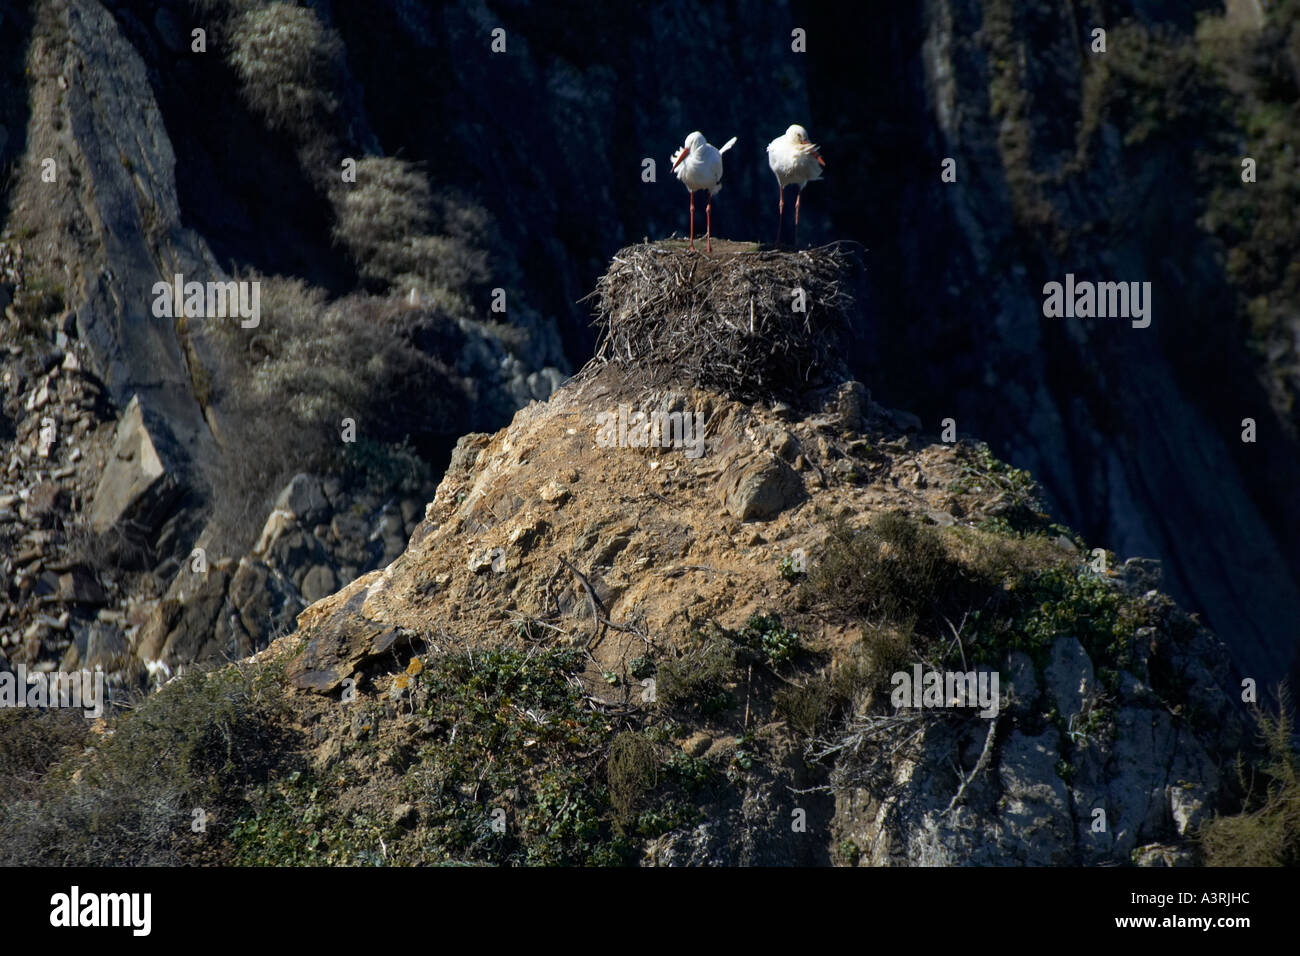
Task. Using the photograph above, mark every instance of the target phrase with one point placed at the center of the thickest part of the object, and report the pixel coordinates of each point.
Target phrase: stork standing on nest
(698, 165)
(794, 160)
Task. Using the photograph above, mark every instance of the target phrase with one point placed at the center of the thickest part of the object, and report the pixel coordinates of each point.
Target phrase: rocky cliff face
(130, 429)
(1101, 165)
(1068, 161)
(668, 543)
(624, 639)
(172, 161)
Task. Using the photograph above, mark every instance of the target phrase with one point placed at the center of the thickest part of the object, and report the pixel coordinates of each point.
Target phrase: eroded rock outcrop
(1071, 773)
(542, 536)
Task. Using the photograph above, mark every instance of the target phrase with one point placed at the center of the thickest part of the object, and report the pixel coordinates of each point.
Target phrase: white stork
(699, 166)
(794, 160)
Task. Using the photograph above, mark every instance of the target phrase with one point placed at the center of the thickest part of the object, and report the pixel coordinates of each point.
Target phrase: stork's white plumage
(795, 161)
(698, 165)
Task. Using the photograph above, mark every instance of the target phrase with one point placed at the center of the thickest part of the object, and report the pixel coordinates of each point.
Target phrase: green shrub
(633, 772)
(1048, 604)
(286, 386)
(820, 699)
(848, 853)
(640, 667)
(35, 305)
(894, 570)
(1267, 831)
(291, 822)
(289, 65)
(506, 736)
(385, 466)
(1256, 222)
(913, 587)
(806, 707)
(883, 651)
(1157, 85)
(774, 643)
(197, 743)
(32, 742)
(402, 237)
(1016, 500)
(696, 679)
(791, 570)
(692, 774)
(522, 710)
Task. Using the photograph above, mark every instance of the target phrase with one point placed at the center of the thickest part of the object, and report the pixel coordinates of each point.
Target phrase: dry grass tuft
(1267, 832)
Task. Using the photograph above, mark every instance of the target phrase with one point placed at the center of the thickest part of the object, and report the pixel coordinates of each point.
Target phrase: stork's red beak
(818, 156)
(684, 154)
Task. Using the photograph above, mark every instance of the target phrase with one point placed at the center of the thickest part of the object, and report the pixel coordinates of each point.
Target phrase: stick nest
(726, 322)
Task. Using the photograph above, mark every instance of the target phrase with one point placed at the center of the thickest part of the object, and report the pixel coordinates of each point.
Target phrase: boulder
(1141, 574)
(1035, 805)
(465, 455)
(45, 499)
(851, 404)
(317, 583)
(338, 638)
(763, 490)
(295, 552)
(79, 586)
(1069, 676)
(138, 483)
(277, 522)
(181, 628)
(105, 647)
(304, 499)
(1160, 854)
(264, 601)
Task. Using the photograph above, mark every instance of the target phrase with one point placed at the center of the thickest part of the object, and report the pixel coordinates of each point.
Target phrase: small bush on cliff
(769, 639)
(805, 706)
(1046, 604)
(697, 678)
(1017, 504)
(522, 709)
(288, 384)
(387, 221)
(894, 570)
(959, 596)
(289, 64)
(196, 744)
(32, 742)
(33, 307)
(1267, 832)
(1256, 222)
(509, 737)
(633, 771)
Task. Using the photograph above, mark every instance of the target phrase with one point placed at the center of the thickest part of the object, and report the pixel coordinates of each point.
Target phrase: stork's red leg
(796, 216)
(692, 218)
(780, 215)
(708, 224)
